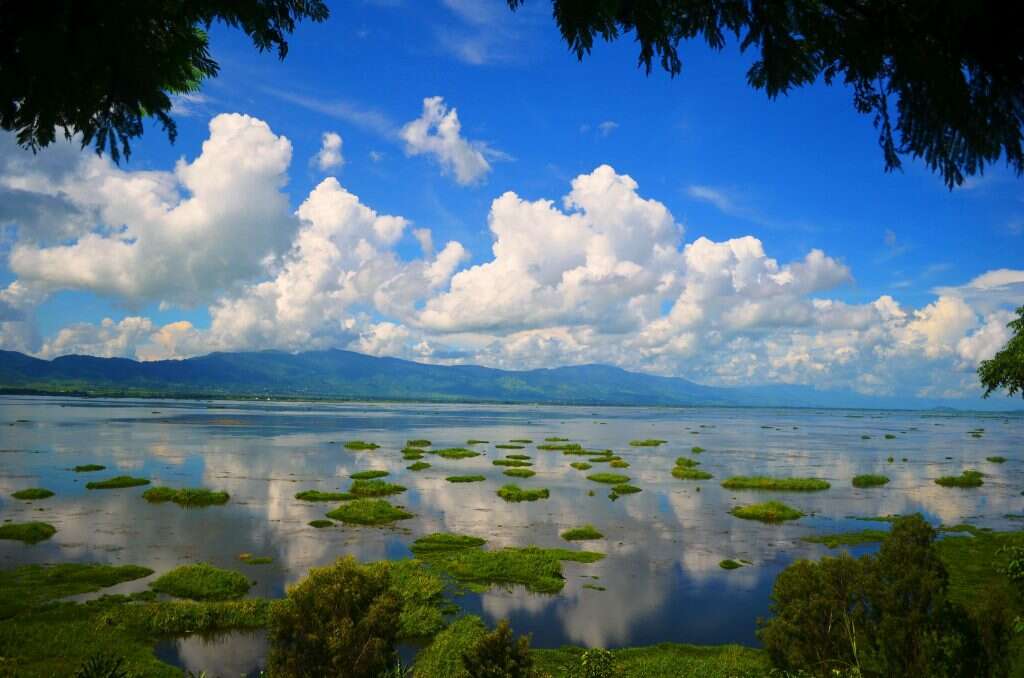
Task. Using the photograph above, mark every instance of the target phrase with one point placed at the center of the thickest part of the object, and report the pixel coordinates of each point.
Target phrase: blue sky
(798, 174)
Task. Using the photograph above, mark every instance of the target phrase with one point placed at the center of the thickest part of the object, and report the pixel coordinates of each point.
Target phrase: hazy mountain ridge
(342, 374)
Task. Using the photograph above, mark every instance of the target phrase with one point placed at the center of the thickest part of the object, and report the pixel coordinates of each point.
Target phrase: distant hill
(338, 374)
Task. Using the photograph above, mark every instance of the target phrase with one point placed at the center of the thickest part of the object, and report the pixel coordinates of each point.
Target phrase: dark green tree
(99, 67)
(1006, 368)
(499, 655)
(942, 79)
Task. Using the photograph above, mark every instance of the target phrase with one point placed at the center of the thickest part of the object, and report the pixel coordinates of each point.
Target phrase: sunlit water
(664, 544)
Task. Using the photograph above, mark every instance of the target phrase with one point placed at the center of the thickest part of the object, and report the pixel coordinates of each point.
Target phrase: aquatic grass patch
(465, 479)
(767, 512)
(514, 493)
(317, 495)
(619, 463)
(560, 447)
(32, 493)
(889, 436)
(321, 523)
(455, 453)
(508, 447)
(417, 442)
(625, 489)
(115, 483)
(202, 581)
(511, 462)
(775, 484)
(412, 453)
(848, 538)
(580, 465)
(521, 457)
(697, 449)
(870, 480)
(690, 473)
(519, 472)
(523, 441)
(29, 586)
(686, 461)
(584, 533)
(474, 441)
(186, 496)
(966, 479)
(996, 459)
(89, 468)
(556, 439)
(369, 512)
(374, 488)
(361, 445)
(418, 466)
(444, 541)
(30, 533)
(647, 442)
(730, 564)
(608, 478)
(371, 474)
(250, 559)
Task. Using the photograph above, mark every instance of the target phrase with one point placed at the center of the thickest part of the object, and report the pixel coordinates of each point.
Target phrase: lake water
(663, 545)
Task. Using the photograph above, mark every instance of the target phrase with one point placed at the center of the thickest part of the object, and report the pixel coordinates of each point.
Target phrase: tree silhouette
(99, 67)
(943, 79)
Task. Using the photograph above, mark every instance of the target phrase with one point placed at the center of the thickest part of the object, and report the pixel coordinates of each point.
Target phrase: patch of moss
(515, 493)
(648, 442)
(870, 480)
(996, 459)
(33, 493)
(465, 479)
(374, 488)
(511, 462)
(361, 445)
(690, 473)
(609, 478)
(848, 538)
(418, 442)
(966, 479)
(202, 581)
(186, 496)
(88, 468)
(776, 484)
(368, 475)
(369, 512)
(116, 482)
(767, 512)
(519, 472)
(625, 489)
(321, 523)
(582, 533)
(581, 465)
(418, 466)
(444, 541)
(317, 495)
(730, 564)
(456, 453)
(30, 533)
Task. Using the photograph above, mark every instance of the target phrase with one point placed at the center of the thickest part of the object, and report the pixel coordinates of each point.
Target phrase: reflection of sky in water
(662, 576)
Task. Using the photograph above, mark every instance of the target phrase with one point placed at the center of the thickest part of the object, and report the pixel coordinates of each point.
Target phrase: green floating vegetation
(889, 436)
(33, 493)
(582, 533)
(686, 461)
(250, 559)
(465, 479)
(848, 538)
(996, 459)
(412, 453)
(519, 472)
(116, 482)
(456, 453)
(865, 437)
(317, 495)
(473, 441)
(648, 442)
(538, 569)
(374, 488)
(89, 468)
(690, 473)
(776, 484)
(524, 441)
(369, 512)
(361, 445)
(372, 474)
(870, 480)
(321, 523)
(730, 564)
(560, 447)
(511, 462)
(418, 442)
(580, 465)
(609, 478)
(30, 533)
(767, 512)
(619, 463)
(418, 466)
(966, 479)
(516, 494)
(202, 581)
(594, 587)
(625, 489)
(521, 457)
(696, 449)
(186, 496)
(508, 447)
(556, 439)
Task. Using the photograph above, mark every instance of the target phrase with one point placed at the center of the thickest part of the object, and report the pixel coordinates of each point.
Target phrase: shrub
(102, 665)
(341, 620)
(594, 663)
(499, 655)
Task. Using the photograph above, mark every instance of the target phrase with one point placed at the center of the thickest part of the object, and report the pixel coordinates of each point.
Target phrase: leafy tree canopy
(1006, 368)
(98, 67)
(943, 79)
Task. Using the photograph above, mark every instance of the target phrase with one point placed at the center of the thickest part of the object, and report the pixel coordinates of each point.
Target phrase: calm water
(664, 544)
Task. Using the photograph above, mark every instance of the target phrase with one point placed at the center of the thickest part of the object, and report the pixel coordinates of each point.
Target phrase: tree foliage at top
(98, 68)
(943, 79)
(1006, 368)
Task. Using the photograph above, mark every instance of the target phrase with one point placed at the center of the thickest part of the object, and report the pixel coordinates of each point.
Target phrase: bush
(499, 655)
(595, 663)
(341, 620)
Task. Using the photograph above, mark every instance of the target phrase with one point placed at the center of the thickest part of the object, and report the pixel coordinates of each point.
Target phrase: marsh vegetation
(775, 484)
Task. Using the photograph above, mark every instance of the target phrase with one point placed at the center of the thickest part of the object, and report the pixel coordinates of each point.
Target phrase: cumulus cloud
(438, 133)
(329, 155)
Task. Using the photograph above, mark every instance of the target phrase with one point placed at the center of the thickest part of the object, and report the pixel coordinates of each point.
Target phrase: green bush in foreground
(116, 482)
(582, 533)
(778, 484)
(443, 657)
(608, 478)
(499, 654)
(30, 533)
(32, 493)
(515, 493)
(187, 496)
(965, 479)
(202, 581)
(369, 512)
(870, 480)
(767, 512)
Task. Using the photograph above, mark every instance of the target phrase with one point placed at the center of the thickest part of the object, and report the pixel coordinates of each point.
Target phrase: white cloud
(438, 133)
(329, 155)
(607, 127)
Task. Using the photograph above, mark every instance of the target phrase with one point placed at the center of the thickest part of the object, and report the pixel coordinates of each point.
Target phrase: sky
(443, 181)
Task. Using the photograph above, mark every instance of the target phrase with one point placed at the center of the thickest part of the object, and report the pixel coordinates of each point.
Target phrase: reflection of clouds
(234, 654)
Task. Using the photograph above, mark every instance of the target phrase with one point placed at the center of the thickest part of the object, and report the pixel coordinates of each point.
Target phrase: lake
(661, 576)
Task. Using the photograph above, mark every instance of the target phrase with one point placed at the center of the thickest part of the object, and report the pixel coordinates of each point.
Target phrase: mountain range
(345, 375)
